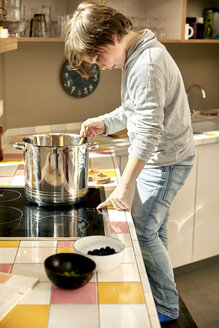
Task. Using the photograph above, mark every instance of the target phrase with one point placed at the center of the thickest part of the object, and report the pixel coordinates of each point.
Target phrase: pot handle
(94, 145)
(19, 145)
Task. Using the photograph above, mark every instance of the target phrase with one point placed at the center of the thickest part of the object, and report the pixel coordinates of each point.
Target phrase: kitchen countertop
(118, 145)
(119, 298)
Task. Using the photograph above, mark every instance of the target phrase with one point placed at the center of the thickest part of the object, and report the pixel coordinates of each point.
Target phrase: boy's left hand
(118, 198)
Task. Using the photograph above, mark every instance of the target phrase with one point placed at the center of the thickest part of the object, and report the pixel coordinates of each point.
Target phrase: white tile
(40, 294)
(33, 255)
(7, 255)
(38, 243)
(17, 181)
(129, 256)
(8, 170)
(31, 270)
(117, 215)
(124, 237)
(73, 315)
(124, 316)
(125, 272)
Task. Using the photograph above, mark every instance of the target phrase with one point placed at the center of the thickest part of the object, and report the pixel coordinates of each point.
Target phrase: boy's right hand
(92, 127)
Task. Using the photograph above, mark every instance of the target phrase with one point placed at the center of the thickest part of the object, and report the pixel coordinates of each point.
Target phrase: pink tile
(84, 295)
(21, 167)
(119, 227)
(101, 151)
(15, 155)
(5, 268)
(65, 243)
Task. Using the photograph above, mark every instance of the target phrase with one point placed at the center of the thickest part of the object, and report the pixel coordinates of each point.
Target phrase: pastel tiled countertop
(121, 298)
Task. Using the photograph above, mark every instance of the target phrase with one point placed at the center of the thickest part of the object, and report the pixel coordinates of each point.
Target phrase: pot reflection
(50, 222)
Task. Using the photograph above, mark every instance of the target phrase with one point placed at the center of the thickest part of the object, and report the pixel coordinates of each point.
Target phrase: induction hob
(22, 219)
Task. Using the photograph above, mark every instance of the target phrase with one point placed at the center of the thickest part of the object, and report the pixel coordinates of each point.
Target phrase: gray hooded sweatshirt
(154, 106)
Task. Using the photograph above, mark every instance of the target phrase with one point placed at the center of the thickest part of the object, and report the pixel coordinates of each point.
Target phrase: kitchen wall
(199, 64)
(34, 94)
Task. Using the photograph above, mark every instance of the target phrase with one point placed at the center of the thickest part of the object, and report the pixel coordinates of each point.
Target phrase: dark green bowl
(69, 270)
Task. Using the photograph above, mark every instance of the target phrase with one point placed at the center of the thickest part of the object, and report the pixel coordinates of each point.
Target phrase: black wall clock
(77, 86)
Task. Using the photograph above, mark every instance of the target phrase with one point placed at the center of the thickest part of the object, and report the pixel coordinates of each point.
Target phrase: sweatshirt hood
(145, 41)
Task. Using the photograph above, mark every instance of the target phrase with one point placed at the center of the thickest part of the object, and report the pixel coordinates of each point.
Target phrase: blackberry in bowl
(107, 252)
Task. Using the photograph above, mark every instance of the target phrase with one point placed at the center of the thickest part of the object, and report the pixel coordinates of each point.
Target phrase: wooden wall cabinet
(8, 45)
(172, 12)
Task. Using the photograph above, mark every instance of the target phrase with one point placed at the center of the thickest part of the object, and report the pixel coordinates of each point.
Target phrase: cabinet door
(181, 220)
(206, 228)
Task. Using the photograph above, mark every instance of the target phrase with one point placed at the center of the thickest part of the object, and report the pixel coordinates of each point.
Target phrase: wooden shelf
(200, 41)
(8, 44)
(27, 39)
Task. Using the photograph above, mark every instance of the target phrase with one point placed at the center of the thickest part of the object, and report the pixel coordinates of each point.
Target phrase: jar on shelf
(208, 24)
(13, 8)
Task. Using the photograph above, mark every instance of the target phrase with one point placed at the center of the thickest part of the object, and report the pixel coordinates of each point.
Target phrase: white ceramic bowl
(103, 262)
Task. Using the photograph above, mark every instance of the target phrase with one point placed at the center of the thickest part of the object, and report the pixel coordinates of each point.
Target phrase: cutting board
(12, 289)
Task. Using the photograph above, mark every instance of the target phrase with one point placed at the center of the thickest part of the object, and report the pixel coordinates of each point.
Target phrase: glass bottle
(208, 24)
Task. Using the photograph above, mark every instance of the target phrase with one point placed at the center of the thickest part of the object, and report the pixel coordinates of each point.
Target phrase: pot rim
(27, 140)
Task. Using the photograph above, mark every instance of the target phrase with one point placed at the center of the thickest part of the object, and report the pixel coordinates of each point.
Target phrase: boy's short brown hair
(90, 28)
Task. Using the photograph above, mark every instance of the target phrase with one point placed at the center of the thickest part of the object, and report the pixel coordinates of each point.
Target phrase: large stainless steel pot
(56, 167)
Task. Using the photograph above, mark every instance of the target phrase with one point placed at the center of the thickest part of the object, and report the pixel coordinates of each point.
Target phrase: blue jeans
(155, 191)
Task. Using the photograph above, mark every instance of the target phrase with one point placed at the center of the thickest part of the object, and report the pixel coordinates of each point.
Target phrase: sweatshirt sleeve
(115, 121)
(146, 87)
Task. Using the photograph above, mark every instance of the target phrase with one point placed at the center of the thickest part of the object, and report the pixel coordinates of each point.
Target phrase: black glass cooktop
(22, 219)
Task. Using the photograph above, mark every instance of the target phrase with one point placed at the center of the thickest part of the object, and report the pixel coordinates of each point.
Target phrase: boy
(156, 113)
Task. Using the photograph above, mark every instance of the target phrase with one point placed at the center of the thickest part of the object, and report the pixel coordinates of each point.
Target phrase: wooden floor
(198, 286)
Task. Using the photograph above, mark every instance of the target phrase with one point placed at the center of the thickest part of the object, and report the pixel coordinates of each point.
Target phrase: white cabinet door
(206, 228)
(181, 220)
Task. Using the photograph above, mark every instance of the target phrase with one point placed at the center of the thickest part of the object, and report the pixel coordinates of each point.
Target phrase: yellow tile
(110, 207)
(120, 293)
(4, 277)
(26, 316)
(4, 184)
(65, 250)
(11, 161)
(101, 142)
(9, 243)
(109, 173)
(102, 148)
